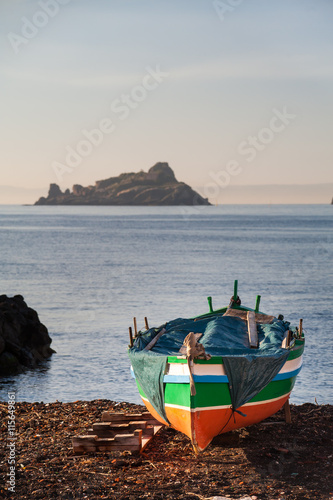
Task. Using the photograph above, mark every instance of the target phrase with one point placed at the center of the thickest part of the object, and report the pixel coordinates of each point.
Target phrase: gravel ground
(271, 460)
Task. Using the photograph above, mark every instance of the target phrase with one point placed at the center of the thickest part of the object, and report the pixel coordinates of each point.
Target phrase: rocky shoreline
(24, 340)
(268, 461)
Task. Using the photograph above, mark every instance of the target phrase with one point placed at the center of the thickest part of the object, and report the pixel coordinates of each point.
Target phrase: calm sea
(89, 270)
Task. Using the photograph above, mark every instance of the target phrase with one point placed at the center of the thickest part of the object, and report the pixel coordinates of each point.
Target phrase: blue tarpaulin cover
(248, 370)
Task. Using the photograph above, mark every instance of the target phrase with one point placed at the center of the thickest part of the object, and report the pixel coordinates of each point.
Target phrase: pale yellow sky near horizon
(228, 93)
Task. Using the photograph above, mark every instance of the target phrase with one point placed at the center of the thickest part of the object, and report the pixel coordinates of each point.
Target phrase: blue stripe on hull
(218, 379)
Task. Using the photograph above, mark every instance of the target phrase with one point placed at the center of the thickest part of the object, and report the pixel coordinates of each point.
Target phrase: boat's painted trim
(201, 373)
(215, 395)
(220, 407)
(203, 424)
(185, 379)
(292, 364)
(218, 379)
(294, 353)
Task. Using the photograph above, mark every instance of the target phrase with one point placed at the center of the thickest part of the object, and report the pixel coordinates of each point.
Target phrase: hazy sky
(227, 92)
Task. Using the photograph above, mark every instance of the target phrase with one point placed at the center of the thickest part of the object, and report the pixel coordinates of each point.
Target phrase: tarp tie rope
(240, 413)
(193, 350)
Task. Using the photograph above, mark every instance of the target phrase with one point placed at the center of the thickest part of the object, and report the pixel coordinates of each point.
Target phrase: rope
(193, 350)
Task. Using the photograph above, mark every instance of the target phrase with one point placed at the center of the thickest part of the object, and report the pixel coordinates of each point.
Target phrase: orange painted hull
(202, 425)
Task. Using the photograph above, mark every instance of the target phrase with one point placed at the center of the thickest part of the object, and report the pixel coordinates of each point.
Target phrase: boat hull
(202, 425)
(209, 413)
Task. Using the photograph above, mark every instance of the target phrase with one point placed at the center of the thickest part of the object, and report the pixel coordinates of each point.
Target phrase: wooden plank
(110, 416)
(148, 432)
(131, 441)
(137, 424)
(146, 438)
(99, 433)
(300, 330)
(133, 432)
(130, 336)
(155, 339)
(260, 317)
(286, 339)
(252, 329)
(133, 438)
(129, 426)
(86, 439)
(99, 426)
(109, 429)
(287, 413)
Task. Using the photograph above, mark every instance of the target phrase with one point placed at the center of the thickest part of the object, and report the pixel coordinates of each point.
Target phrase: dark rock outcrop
(24, 340)
(158, 186)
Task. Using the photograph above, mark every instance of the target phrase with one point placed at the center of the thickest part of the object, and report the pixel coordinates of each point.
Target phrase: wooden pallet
(118, 432)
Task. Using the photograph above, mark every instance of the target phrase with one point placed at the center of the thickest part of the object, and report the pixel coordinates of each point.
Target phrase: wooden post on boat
(300, 330)
(287, 414)
(252, 329)
(131, 336)
(256, 309)
(135, 328)
(146, 323)
(235, 290)
(210, 305)
(287, 339)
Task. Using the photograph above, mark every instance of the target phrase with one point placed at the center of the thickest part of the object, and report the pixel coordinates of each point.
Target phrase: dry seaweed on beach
(268, 461)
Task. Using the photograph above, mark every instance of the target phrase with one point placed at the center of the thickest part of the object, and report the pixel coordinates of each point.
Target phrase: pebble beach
(267, 461)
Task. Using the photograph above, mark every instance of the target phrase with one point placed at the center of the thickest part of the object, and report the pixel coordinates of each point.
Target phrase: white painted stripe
(222, 407)
(266, 401)
(292, 365)
(186, 408)
(201, 369)
(198, 369)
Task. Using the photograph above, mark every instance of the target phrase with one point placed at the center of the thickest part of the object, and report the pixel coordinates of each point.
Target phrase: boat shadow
(259, 459)
(282, 454)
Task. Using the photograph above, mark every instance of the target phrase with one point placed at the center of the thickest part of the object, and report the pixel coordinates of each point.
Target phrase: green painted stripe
(275, 389)
(218, 394)
(207, 395)
(296, 352)
(180, 395)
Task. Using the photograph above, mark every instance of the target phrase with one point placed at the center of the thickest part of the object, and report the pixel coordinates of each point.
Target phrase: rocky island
(158, 186)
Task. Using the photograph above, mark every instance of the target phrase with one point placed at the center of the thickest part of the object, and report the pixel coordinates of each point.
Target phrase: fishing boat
(225, 369)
